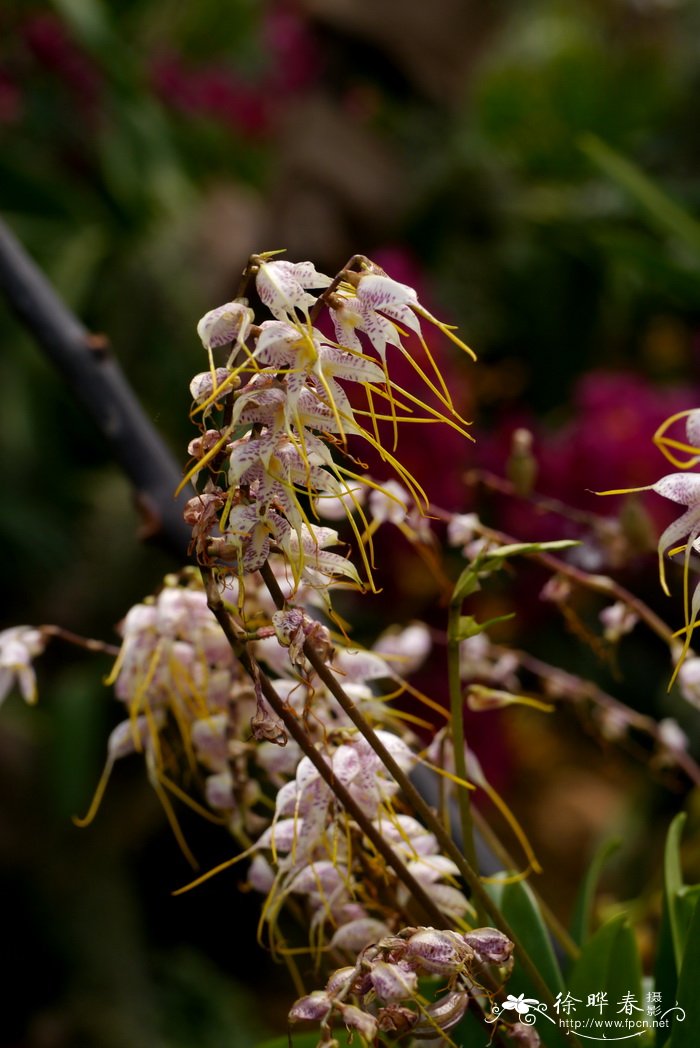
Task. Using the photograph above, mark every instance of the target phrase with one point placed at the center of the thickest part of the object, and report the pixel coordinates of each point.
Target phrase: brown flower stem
(330, 290)
(295, 730)
(571, 688)
(79, 642)
(541, 502)
(597, 583)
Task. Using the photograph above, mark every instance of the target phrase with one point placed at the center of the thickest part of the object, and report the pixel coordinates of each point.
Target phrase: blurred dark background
(533, 170)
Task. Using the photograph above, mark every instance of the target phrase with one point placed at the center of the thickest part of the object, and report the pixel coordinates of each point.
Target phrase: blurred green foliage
(146, 147)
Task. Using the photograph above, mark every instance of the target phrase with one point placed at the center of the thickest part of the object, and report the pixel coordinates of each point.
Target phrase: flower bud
(361, 1021)
(355, 935)
(313, 1008)
(521, 468)
(218, 790)
(444, 1014)
(392, 982)
(225, 324)
(462, 528)
(490, 945)
(396, 1020)
(202, 386)
(340, 980)
(443, 952)
(524, 1036)
(199, 447)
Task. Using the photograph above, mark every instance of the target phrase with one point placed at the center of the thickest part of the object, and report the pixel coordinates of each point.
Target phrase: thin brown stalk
(296, 731)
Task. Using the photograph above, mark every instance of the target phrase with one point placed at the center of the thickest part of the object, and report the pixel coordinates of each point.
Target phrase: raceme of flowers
(283, 403)
(380, 992)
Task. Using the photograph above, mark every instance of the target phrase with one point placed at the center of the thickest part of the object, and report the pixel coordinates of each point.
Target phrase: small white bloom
(409, 647)
(462, 528)
(282, 286)
(390, 503)
(672, 735)
(226, 324)
(689, 680)
(18, 646)
(618, 620)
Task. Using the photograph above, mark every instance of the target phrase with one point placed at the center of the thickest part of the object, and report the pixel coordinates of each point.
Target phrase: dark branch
(98, 382)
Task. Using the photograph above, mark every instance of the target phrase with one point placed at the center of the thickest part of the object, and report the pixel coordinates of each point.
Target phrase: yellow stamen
(438, 374)
(443, 773)
(510, 818)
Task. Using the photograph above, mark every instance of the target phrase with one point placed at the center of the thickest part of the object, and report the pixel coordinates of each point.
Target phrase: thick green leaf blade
(519, 907)
(673, 884)
(610, 964)
(581, 920)
(685, 1034)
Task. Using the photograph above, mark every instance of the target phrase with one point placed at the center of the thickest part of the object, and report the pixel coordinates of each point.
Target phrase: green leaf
(517, 549)
(685, 1034)
(466, 584)
(469, 627)
(493, 560)
(673, 883)
(668, 216)
(609, 963)
(301, 1040)
(308, 1039)
(519, 907)
(581, 921)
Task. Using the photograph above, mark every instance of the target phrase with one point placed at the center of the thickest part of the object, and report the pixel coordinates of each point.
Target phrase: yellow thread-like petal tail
(97, 797)
(204, 461)
(213, 872)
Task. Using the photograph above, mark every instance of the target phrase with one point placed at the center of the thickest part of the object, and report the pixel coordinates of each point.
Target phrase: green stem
(459, 742)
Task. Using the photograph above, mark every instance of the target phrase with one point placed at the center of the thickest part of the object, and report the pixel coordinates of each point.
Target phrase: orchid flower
(683, 488)
(18, 646)
(283, 286)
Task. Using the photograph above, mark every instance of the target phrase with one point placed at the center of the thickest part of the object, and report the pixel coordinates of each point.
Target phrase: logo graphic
(609, 1021)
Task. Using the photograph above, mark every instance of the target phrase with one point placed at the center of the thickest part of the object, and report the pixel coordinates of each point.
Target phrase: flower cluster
(200, 722)
(380, 993)
(285, 398)
(315, 852)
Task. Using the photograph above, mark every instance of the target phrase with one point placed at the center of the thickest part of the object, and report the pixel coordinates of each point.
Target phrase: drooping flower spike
(279, 427)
